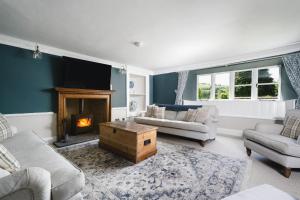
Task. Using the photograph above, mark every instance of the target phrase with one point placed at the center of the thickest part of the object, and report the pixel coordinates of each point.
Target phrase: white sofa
(173, 124)
(44, 173)
(266, 140)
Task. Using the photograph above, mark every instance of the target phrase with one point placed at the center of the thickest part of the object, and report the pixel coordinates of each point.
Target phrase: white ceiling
(174, 32)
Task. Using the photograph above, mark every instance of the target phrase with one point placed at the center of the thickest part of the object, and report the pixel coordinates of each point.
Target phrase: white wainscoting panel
(44, 123)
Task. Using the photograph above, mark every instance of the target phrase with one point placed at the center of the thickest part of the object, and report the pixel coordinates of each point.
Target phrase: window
(242, 84)
(222, 82)
(256, 83)
(268, 83)
(204, 86)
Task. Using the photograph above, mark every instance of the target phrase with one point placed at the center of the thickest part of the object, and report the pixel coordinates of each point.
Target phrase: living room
(149, 100)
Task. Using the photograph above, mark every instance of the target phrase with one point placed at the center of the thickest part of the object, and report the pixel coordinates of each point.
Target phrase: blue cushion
(179, 107)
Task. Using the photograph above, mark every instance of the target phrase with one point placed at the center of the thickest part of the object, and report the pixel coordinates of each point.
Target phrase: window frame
(279, 83)
(234, 85)
(211, 85)
(254, 85)
(214, 79)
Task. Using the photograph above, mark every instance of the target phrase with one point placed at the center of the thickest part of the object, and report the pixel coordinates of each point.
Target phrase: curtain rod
(258, 59)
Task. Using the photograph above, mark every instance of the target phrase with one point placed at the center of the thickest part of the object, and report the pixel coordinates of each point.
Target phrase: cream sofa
(173, 124)
(266, 140)
(44, 173)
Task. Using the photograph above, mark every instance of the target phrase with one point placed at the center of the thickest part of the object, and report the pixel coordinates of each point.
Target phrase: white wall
(44, 124)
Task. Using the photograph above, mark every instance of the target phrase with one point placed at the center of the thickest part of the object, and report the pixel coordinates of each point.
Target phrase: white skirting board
(44, 123)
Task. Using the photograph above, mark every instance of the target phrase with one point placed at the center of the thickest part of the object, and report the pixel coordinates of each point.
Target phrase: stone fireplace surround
(96, 102)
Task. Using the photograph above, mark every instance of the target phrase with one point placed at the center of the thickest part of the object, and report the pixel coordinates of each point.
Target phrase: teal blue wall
(165, 84)
(150, 89)
(26, 84)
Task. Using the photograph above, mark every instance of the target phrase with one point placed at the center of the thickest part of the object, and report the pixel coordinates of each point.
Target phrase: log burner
(81, 123)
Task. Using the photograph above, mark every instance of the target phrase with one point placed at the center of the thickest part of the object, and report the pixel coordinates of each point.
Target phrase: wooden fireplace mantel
(82, 91)
(73, 93)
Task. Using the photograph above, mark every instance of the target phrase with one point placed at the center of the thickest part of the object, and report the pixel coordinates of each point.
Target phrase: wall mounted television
(85, 74)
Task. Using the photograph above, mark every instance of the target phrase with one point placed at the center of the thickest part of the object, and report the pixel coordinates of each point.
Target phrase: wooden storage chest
(133, 141)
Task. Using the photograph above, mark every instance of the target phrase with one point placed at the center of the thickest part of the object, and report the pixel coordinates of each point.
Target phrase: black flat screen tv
(85, 74)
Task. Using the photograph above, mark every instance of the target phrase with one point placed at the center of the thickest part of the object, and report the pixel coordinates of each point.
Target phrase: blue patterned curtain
(182, 79)
(292, 66)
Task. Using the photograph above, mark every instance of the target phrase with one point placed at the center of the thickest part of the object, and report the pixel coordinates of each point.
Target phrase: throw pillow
(7, 160)
(190, 115)
(202, 115)
(159, 112)
(291, 128)
(5, 130)
(150, 111)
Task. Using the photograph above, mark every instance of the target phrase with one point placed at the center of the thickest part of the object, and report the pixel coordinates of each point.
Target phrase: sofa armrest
(35, 179)
(269, 128)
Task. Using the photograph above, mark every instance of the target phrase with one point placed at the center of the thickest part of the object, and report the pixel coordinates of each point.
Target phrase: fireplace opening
(81, 123)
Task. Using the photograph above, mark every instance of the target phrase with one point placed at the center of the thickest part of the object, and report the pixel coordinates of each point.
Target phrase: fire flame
(84, 122)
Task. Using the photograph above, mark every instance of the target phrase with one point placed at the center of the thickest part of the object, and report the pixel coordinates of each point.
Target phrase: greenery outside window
(242, 84)
(222, 83)
(257, 83)
(268, 83)
(204, 86)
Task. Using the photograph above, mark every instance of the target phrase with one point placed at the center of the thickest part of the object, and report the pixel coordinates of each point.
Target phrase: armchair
(266, 140)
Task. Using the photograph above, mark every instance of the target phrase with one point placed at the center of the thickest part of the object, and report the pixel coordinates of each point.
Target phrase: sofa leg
(248, 152)
(202, 143)
(287, 172)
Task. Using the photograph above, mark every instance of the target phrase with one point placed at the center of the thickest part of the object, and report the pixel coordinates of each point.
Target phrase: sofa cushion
(191, 126)
(150, 111)
(159, 112)
(177, 108)
(291, 127)
(171, 115)
(7, 160)
(5, 130)
(202, 115)
(279, 143)
(190, 115)
(30, 151)
(180, 115)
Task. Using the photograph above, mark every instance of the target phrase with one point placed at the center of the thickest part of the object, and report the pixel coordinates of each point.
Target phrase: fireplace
(81, 123)
(79, 113)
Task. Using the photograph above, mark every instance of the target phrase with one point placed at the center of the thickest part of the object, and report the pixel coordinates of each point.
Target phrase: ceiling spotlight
(37, 54)
(138, 44)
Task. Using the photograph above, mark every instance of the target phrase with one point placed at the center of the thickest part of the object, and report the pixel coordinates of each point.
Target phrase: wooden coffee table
(136, 142)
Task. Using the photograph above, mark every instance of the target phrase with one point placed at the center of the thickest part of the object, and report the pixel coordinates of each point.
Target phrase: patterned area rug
(175, 172)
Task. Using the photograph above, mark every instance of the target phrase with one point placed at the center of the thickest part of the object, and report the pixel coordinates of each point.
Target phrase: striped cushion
(190, 115)
(5, 130)
(159, 112)
(7, 160)
(291, 128)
